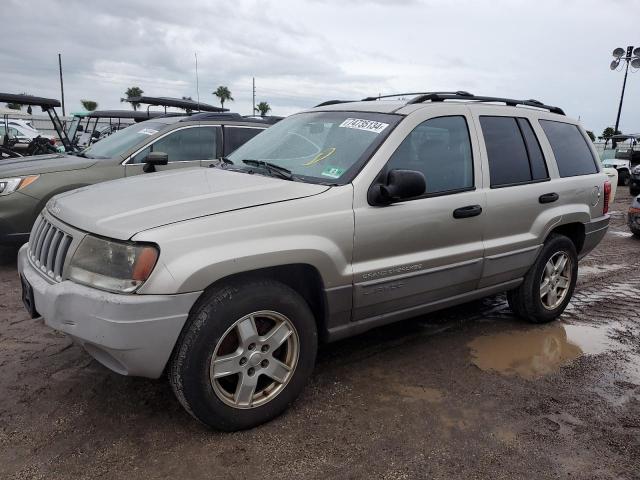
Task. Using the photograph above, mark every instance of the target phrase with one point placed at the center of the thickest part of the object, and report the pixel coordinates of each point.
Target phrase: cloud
(304, 52)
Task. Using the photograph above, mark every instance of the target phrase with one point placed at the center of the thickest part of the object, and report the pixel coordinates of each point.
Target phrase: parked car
(164, 143)
(336, 220)
(634, 216)
(23, 135)
(624, 158)
(634, 185)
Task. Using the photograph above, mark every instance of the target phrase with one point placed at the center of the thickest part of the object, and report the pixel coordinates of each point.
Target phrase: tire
(527, 302)
(624, 179)
(635, 231)
(212, 327)
(634, 191)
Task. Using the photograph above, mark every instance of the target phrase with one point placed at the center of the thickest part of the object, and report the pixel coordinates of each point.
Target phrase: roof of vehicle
(28, 100)
(133, 114)
(382, 105)
(627, 136)
(176, 102)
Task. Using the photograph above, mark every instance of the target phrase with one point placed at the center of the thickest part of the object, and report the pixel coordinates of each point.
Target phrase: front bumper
(595, 231)
(130, 334)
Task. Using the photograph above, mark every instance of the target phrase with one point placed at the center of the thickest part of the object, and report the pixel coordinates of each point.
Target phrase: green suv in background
(165, 143)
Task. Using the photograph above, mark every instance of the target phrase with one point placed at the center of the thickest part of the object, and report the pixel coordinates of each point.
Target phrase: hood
(121, 208)
(56, 162)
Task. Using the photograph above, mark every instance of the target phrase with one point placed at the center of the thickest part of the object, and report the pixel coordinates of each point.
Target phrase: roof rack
(194, 117)
(412, 94)
(442, 96)
(421, 97)
(270, 119)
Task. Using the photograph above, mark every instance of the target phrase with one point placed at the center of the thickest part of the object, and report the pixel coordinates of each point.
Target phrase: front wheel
(245, 354)
(548, 285)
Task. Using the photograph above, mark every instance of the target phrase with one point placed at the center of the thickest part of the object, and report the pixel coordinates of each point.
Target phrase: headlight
(112, 265)
(10, 185)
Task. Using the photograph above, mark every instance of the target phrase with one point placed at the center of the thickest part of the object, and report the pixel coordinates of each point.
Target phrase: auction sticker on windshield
(367, 125)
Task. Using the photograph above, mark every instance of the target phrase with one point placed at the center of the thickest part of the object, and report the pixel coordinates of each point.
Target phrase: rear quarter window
(570, 147)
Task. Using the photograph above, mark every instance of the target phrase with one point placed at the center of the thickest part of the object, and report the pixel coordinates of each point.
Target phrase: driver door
(185, 147)
(418, 252)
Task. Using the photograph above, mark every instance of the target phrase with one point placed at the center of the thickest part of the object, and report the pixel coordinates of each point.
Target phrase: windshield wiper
(272, 168)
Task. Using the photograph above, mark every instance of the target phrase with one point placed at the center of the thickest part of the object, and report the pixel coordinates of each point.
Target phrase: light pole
(632, 56)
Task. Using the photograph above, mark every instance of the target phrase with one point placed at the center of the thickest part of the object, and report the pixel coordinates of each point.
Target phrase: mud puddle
(538, 351)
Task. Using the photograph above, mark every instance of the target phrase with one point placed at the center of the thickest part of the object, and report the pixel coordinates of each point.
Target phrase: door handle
(466, 212)
(548, 198)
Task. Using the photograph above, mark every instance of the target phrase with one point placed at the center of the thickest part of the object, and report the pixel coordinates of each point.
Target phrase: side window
(536, 158)
(196, 143)
(237, 136)
(573, 155)
(439, 148)
(513, 150)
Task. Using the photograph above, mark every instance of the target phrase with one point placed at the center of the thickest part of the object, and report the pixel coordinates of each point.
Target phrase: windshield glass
(121, 141)
(329, 147)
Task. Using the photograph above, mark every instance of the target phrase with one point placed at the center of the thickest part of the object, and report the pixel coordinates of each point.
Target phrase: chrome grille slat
(53, 250)
(43, 233)
(48, 248)
(65, 243)
(46, 245)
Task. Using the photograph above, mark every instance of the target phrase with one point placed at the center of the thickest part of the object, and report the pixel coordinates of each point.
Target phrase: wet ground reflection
(537, 351)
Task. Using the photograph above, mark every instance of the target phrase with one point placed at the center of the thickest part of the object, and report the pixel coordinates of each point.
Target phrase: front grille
(48, 248)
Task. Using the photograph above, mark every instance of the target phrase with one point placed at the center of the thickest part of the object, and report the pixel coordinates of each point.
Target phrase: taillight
(607, 195)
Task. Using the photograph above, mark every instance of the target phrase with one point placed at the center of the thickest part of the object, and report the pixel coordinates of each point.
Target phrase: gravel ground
(470, 392)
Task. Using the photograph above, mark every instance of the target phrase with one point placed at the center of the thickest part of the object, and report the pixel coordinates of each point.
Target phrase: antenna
(197, 81)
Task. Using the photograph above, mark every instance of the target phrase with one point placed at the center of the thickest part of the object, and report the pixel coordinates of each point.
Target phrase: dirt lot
(470, 392)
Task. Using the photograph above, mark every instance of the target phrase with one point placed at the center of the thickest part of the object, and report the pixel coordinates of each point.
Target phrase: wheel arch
(304, 278)
(575, 231)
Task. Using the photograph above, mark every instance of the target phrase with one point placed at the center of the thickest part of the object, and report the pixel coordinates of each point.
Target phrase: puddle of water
(536, 352)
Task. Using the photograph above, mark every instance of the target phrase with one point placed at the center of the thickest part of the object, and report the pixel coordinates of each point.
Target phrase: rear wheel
(245, 354)
(548, 286)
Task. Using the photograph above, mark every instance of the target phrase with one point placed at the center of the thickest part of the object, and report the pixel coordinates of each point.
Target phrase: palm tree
(89, 105)
(224, 94)
(263, 108)
(131, 93)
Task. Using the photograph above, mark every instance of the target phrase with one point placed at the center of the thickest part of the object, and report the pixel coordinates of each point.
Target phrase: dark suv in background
(163, 143)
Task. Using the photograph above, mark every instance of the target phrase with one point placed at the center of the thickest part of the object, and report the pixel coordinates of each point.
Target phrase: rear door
(522, 192)
(413, 253)
(188, 146)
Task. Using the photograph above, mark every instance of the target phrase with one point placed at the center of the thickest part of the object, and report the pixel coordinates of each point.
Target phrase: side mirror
(399, 185)
(95, 134)
(153, 159)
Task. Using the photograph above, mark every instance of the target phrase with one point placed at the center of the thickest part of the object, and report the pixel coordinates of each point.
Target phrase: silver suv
(336, 220)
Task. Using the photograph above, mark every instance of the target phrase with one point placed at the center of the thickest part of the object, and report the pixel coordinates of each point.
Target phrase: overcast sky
(304, 52)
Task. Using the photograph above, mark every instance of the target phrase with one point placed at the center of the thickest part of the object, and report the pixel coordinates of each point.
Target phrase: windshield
(329, 147)
(121, 141)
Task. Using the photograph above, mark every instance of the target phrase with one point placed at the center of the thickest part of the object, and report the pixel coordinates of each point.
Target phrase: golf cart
(189, 106)
(624, 156)
(9, 146)
(89, 127)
